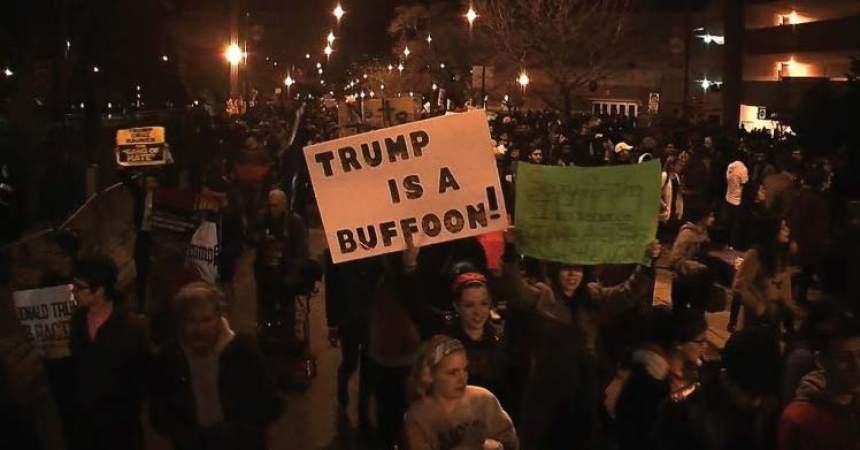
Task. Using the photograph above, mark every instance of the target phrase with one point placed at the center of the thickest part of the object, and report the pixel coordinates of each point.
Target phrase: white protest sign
(435, 180)
(202, 253)
(45, 314)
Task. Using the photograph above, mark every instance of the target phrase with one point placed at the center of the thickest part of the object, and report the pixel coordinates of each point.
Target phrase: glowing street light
(8, 72)
(707, 84)
(330, 38)
(233, 54)
(390, 67)
(307, 56)
(429, 39)
(400, 68)
(165, 58)
(442, 65)
(434, 87)
(471, 15)
(289, 81)
(96, 69)
(523, 80)
(406, 51)
(328, 51)
(338, 13)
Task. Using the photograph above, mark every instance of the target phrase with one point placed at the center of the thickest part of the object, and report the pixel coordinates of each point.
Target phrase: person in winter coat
(211, 390)
(560, 400)
(763, 281)
(692, 241)
(281, 239)
(349, 289)
(110, 352)
(450, 413)
(665, 367)
(824, 414)
(483, 341)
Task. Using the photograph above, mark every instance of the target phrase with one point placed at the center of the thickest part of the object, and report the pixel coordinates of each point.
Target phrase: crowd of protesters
(461, 348)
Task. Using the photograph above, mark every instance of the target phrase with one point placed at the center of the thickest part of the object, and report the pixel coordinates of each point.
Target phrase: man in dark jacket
(349, 290)
(281, 239)
(110, 351)
(211, 390)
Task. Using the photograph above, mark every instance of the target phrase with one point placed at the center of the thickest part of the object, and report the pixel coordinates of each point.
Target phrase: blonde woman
(449, 414)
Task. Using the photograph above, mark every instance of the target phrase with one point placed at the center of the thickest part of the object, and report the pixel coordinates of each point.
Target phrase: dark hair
(753, 361)
(772, 253)
(697, 211)
(581, 291)
(99, 273)
(844, 327)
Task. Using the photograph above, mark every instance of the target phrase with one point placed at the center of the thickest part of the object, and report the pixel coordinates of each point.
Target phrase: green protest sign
(587, 215)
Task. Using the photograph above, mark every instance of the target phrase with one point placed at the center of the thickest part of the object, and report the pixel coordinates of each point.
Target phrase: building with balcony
(789, 47)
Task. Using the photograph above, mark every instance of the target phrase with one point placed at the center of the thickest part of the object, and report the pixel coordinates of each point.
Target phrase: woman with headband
(483, 341)
(450, 414)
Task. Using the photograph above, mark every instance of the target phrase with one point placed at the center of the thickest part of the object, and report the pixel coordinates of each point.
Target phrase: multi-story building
(789, 47)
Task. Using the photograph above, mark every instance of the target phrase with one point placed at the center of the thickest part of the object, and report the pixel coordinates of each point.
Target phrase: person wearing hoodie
(692, 241)
(665, 366)
(211, 390)
(824, 414)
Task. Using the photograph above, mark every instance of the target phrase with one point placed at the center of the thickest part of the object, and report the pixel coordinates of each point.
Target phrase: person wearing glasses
(110, 353)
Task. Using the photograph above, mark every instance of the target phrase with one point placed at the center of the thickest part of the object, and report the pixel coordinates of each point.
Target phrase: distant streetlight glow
(8, 72)
(707, 84)
(390, 67)
(429, 39)
(338, 12)
(400, 68)
(96, 69)
(289, 81)
(330, 38)
(710, 38)
(523, 80)
(328, 51)
(307, 56)
(165, 58)
(406, 51)
(233, 54)
(435, 86)
(471, 15)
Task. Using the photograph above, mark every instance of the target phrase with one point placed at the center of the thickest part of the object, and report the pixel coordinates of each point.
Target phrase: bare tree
(571, 42)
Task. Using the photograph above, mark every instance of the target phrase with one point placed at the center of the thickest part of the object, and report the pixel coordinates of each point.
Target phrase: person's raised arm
(638, 288)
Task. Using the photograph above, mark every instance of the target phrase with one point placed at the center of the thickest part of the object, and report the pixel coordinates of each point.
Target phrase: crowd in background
(461, 347)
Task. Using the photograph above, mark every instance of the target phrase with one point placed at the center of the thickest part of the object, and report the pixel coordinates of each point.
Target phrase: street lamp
(233, 54)
(400, 68)
(8, 72)
(523, 80)
(289, 82)
(406, 52)
(328, 51)
(330, 38)
(471, 15)
(429, 39)
(338, 13)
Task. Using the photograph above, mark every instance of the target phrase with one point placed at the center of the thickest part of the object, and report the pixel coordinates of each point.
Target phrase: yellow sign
(140, 136)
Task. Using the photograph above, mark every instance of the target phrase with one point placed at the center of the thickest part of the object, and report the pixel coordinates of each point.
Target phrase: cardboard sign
(142, 147)
(46, 313)
(587, 215)
(434, 180)
(137, 136)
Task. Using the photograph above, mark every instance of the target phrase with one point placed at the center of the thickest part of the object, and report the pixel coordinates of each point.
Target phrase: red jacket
(811, 422)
